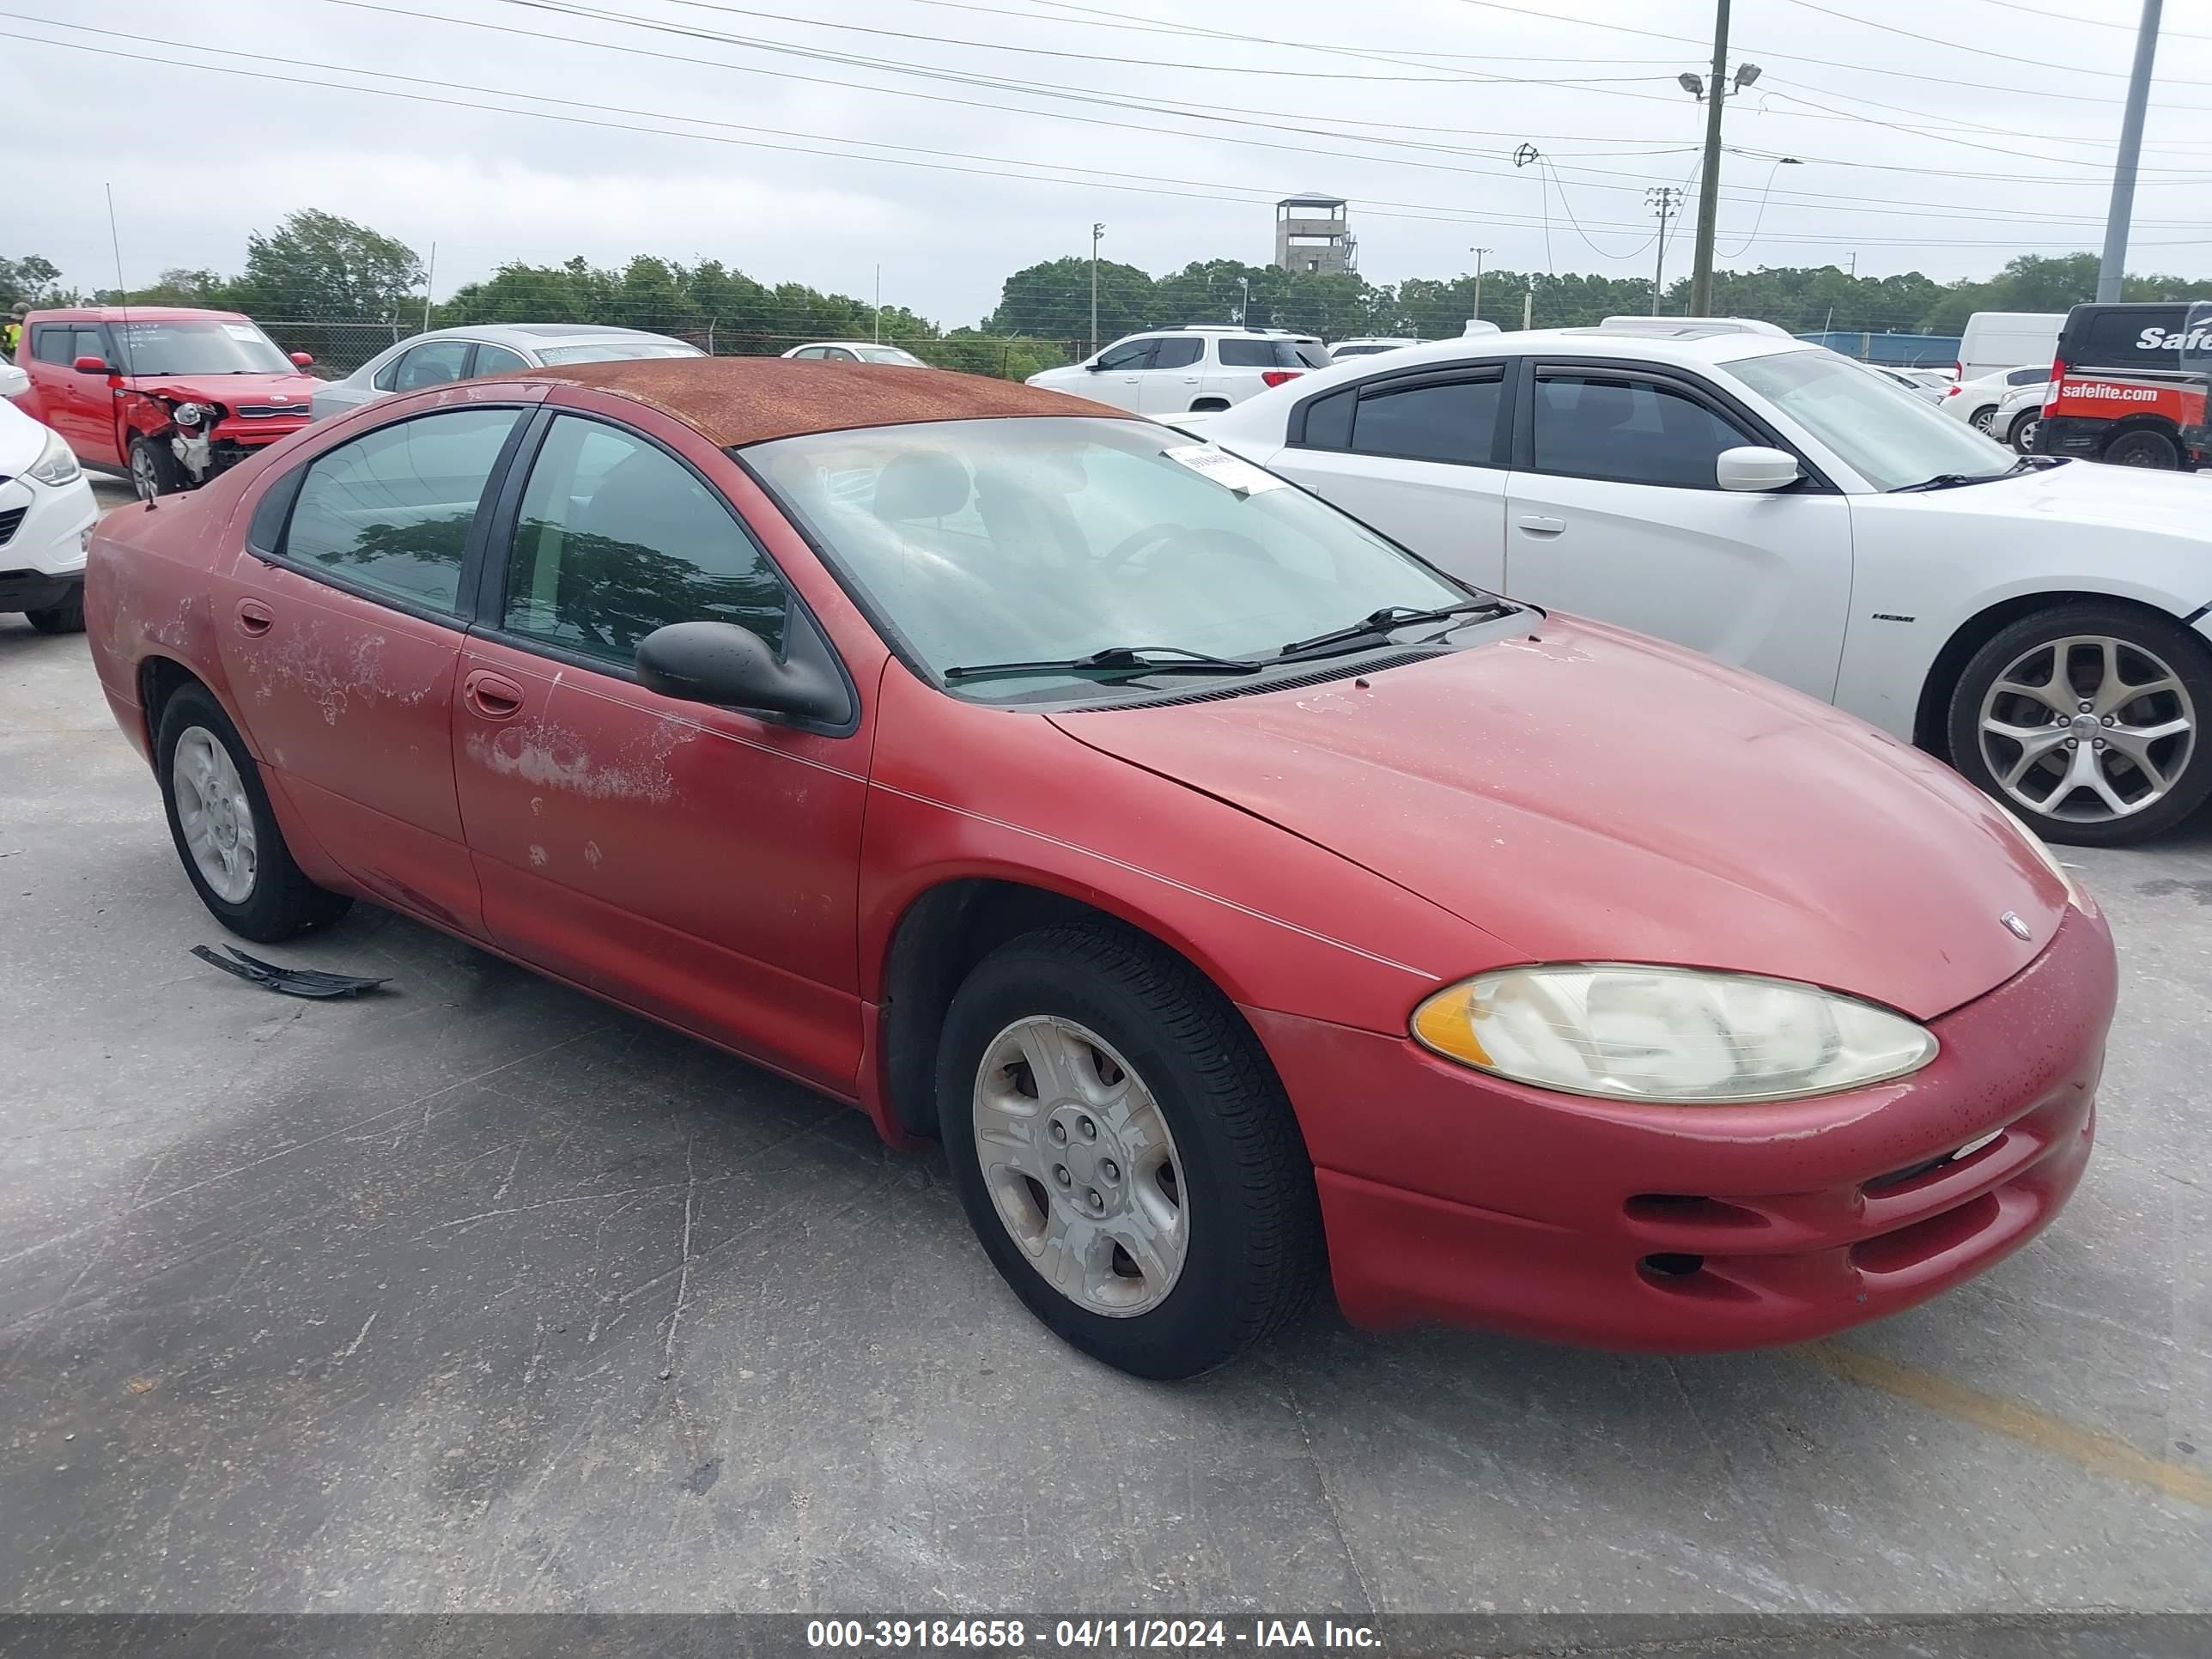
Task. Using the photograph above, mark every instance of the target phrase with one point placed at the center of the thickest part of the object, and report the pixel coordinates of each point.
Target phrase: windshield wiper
(1377, 625)
(1112, 659)
(1956, 480)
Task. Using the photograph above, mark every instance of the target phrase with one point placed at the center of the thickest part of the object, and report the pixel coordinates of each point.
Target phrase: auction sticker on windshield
(1232, 473)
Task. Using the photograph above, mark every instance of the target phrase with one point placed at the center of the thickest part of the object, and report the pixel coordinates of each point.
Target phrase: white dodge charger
(2041, 623)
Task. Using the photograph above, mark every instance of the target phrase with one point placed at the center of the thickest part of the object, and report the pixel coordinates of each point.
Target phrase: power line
(1983, 52)
(2091, 22)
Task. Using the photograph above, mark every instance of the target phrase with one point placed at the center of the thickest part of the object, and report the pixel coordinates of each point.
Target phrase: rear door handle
(492, 695)
(255, 618)
(1537, 523)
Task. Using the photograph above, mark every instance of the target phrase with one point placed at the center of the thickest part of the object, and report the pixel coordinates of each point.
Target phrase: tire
(154, 470)
(67, 617)
(2142, 446)
(1243, 1239)
(2164, 685)
(276, 902)
(1980, 420)
(2023, 436)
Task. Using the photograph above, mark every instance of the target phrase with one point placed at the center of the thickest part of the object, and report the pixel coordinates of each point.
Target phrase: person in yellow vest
(11, 334)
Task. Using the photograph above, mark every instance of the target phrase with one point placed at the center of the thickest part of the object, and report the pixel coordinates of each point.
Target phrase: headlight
(56, 463)
(2049, 860)
(190, 414)
(1674, 1035)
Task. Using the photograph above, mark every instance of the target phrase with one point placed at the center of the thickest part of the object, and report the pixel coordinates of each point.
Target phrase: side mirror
(732, 667)
(90, 366)
(1094, 366)
(1755, 467)
(13, 382)
(301, 360)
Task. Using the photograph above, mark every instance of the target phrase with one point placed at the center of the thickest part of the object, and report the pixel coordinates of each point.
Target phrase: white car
(1928, 385)
(1172, 371)
(854, 351)
(1975, 402)
(476, 349)
(2040, 623)
(1366, 346)
(46, 516)
(2019, 411)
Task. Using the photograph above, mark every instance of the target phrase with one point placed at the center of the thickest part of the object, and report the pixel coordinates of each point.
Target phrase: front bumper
(1458, 1197)
(42, 549)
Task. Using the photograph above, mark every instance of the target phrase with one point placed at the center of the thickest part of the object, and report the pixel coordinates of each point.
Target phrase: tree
(1052, 301)
(31, 280)
(318, 266)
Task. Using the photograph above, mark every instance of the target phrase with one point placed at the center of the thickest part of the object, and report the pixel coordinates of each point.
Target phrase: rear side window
(1178, 352)
(2125, 339)
(1453, 420)
(1243, 353)
(1312, 353)
(433, 364)
(498, 360)
(1631, 431)
(392, 510)
(618, 537)
(2027, 377)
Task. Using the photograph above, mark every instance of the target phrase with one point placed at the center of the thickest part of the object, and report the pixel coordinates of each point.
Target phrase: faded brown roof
(748, 400)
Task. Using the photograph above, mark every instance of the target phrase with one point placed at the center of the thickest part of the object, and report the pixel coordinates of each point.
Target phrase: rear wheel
(2143, 448)
(67, 617)
(154, 469)
(1125, 1153)
(2088, 721)
(2023, 436)
(1981, 419)
(224, 829)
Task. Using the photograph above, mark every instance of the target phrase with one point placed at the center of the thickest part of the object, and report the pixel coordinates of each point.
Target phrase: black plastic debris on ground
(290, 982)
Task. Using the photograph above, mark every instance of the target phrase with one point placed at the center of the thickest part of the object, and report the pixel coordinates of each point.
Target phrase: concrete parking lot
(480, 1295)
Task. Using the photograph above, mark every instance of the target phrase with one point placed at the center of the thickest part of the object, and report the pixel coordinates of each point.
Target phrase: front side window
(1888, 442)
(392, 510)
(54, 345)
(431, 364)
(198, 346)
(1131, 354)
(617, 538)
(1020, 540)
(1631, 431)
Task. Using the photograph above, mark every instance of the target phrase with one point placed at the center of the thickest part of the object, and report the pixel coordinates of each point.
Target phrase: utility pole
(1478, 253)
(430, 277)
(2114, 264)
(1528, 310)
(1709, 187)
(1854, 265)
(879, 307)
(1096, 231)
(1243, 302)
(1665, 201)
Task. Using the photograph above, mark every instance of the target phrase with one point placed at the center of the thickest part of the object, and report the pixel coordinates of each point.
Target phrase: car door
(341, 626)
(1116, 375)
(1419, 455)
(80, 407)
(698, 863)
(1168, 383)
(1613, 511)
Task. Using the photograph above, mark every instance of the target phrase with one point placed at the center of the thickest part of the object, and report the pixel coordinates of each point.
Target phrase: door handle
(492, 695)
(1537, 523)
(1190, 379)
(255, 618)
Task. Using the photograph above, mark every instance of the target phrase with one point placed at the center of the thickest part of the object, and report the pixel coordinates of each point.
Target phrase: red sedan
(1235, 897)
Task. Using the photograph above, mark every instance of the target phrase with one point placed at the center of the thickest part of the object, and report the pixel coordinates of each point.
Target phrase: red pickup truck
(170, 395)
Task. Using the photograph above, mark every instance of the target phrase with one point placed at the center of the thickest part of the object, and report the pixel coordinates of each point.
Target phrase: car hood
(231, 391)
(2081, 493)
(1584, 793)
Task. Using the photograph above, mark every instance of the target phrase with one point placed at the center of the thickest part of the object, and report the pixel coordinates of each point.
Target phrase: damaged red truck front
(170, 395)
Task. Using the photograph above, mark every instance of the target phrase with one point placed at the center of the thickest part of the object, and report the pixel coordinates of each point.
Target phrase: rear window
(1242, 352)
(2129, 338)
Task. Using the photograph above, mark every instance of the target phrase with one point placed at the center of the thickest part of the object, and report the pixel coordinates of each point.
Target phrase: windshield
(876, 353)
(202, 346)
(613, 351)
(1051, 538)
(1889, 438)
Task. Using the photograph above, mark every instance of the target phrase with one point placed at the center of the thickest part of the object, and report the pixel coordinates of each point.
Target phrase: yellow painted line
(2100, 1454)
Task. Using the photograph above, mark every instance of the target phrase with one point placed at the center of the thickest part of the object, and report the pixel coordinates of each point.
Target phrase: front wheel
(2143, 448)
(225, 830)
(67, 617)
(2022, 436)
(1125, 1153)
(154, 469)
(2087, 720)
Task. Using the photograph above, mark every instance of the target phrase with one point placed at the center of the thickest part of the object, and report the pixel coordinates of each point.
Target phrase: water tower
(1312, 234)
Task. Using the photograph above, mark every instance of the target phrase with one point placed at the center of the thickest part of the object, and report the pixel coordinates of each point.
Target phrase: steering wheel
(1161, 535)
(1143, 541)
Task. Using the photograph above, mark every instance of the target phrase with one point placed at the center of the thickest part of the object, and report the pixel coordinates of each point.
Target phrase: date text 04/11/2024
(1087, 1635)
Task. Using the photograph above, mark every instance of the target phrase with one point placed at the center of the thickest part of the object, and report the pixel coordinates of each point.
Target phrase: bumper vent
(10, 521)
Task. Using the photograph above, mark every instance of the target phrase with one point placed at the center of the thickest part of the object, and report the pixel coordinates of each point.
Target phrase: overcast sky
(1399, 109)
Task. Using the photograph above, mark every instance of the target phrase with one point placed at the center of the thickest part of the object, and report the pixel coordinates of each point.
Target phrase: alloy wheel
(1080, 1165)
(1983, 418)
(143, 479)
(2088, 729)
(215, 813)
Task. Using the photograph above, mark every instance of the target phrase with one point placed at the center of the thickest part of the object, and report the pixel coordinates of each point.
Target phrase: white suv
(1175, 371)
(2046, 625)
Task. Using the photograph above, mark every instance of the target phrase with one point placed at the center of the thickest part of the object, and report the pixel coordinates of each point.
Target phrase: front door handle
(255, 618)
(1537, 523)
(492, 695)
